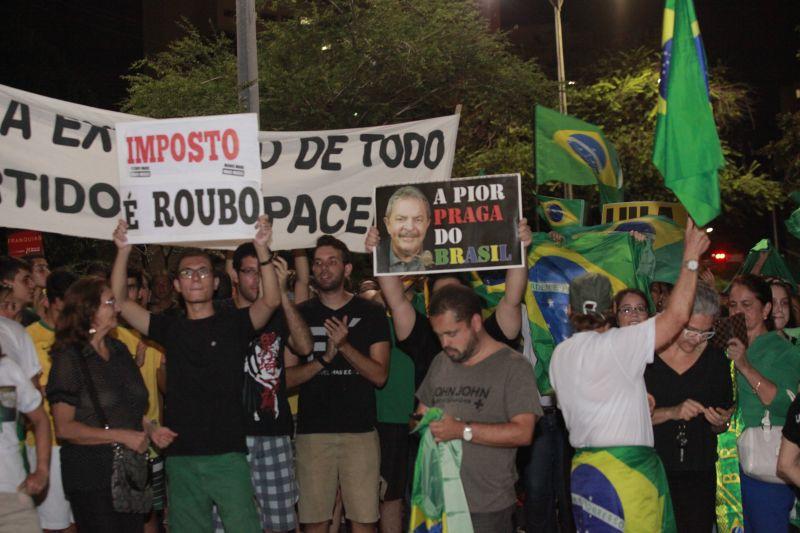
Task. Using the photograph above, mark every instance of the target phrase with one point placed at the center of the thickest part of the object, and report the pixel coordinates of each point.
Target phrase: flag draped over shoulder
(561, 213)
(687, 150)
(553, 266)
(569, 150)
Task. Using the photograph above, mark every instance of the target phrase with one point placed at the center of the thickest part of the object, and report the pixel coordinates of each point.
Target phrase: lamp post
(562, 78)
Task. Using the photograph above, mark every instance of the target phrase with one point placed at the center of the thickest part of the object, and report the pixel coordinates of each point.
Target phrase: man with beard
(408, 215)
(336, 443)
(488, 394)
(268, 420)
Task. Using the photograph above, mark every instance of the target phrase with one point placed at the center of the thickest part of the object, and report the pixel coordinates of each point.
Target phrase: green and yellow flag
(569, 150)
(687, 150)
(552, 267)
(561, 213)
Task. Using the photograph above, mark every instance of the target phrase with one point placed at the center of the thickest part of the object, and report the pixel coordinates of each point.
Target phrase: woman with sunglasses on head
(97, 398)
(767, 375)
(691, 383)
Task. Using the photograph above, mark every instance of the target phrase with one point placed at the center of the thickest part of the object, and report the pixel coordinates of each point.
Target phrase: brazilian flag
(666, 238)
(687, 150)
(569, 150)
(616, 255)
(772, 264)
(561, 213)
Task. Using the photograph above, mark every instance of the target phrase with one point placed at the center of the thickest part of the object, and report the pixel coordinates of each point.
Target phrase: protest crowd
(194, 378)
(480, 378)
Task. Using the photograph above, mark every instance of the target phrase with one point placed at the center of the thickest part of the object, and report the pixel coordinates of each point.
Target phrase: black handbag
(131, 488)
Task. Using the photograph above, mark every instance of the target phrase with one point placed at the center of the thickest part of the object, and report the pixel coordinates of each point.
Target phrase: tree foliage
(620, 94)
(351, 64)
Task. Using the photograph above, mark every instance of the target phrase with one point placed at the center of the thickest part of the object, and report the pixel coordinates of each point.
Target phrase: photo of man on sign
(448, 226)
(407, 218)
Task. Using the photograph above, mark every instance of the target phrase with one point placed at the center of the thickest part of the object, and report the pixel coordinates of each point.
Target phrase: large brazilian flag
(666, 237)
(687, 150)
(551, 268)
(569, 150)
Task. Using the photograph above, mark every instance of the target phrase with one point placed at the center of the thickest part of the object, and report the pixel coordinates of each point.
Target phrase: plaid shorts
(272, 471)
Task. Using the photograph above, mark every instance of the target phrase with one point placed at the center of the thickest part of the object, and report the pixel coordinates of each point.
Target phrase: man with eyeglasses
(206, 463)
(268, 420)
(337, 443)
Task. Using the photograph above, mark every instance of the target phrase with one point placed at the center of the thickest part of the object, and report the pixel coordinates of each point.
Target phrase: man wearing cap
(598, 374)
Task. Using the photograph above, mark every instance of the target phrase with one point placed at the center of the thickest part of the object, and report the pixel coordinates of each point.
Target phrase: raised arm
(300, 338)
(270, 298)
(302, 282)
(681, 300)
(509, 317)
(136, 315)
(403, 314)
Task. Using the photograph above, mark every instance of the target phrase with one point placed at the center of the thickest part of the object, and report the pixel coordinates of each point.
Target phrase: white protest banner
(190, 179)
(58, 171)
(322, 182)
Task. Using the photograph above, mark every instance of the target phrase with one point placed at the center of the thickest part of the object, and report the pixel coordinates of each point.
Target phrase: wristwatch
(692, 265)
(467, 435)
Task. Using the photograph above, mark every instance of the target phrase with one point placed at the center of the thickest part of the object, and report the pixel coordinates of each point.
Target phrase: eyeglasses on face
(188, 273)
(691, 333)
(633, 309)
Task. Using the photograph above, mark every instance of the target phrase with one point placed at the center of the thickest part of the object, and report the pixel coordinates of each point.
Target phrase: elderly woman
(84, 356)
(691, 383)
(768, 372)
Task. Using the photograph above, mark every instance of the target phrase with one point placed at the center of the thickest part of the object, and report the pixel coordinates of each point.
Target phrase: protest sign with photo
(449, 226)
(58, 171)
(190, 179)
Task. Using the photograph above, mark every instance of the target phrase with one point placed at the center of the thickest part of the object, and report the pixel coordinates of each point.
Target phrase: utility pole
(246, 54)
(562, 77)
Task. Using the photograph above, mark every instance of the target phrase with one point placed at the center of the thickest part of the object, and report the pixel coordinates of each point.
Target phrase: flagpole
(562, 78)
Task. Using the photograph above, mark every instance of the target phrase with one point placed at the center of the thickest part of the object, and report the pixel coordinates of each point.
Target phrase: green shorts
(195, 483)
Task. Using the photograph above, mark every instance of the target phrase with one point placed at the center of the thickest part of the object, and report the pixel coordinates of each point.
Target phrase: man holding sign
(205, 350)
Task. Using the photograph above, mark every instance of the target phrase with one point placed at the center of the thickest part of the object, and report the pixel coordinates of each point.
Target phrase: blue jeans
(546, 476)
(766, 506)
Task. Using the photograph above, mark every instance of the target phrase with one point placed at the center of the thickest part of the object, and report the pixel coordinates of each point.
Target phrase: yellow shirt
(149, 370)
(43, 337)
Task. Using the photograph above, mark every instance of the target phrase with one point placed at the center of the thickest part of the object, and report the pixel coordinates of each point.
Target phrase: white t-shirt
(17, 344)
(599, 383)
(17, 395)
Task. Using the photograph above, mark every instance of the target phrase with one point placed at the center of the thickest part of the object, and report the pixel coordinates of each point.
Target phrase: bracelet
(755, 389)
(321, 360)
(267, 261)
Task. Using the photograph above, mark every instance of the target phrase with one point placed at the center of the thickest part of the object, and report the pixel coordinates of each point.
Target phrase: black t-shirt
(266, 406)
(204, 380)
(708, 382)
(791, 429)
(422, 344)
(338, 399)
(123, 398)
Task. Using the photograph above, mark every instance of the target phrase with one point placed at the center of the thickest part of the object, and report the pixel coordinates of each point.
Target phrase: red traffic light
(719, 256)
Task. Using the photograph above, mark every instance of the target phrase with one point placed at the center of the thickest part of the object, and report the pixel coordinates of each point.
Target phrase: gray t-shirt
(491, 392)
